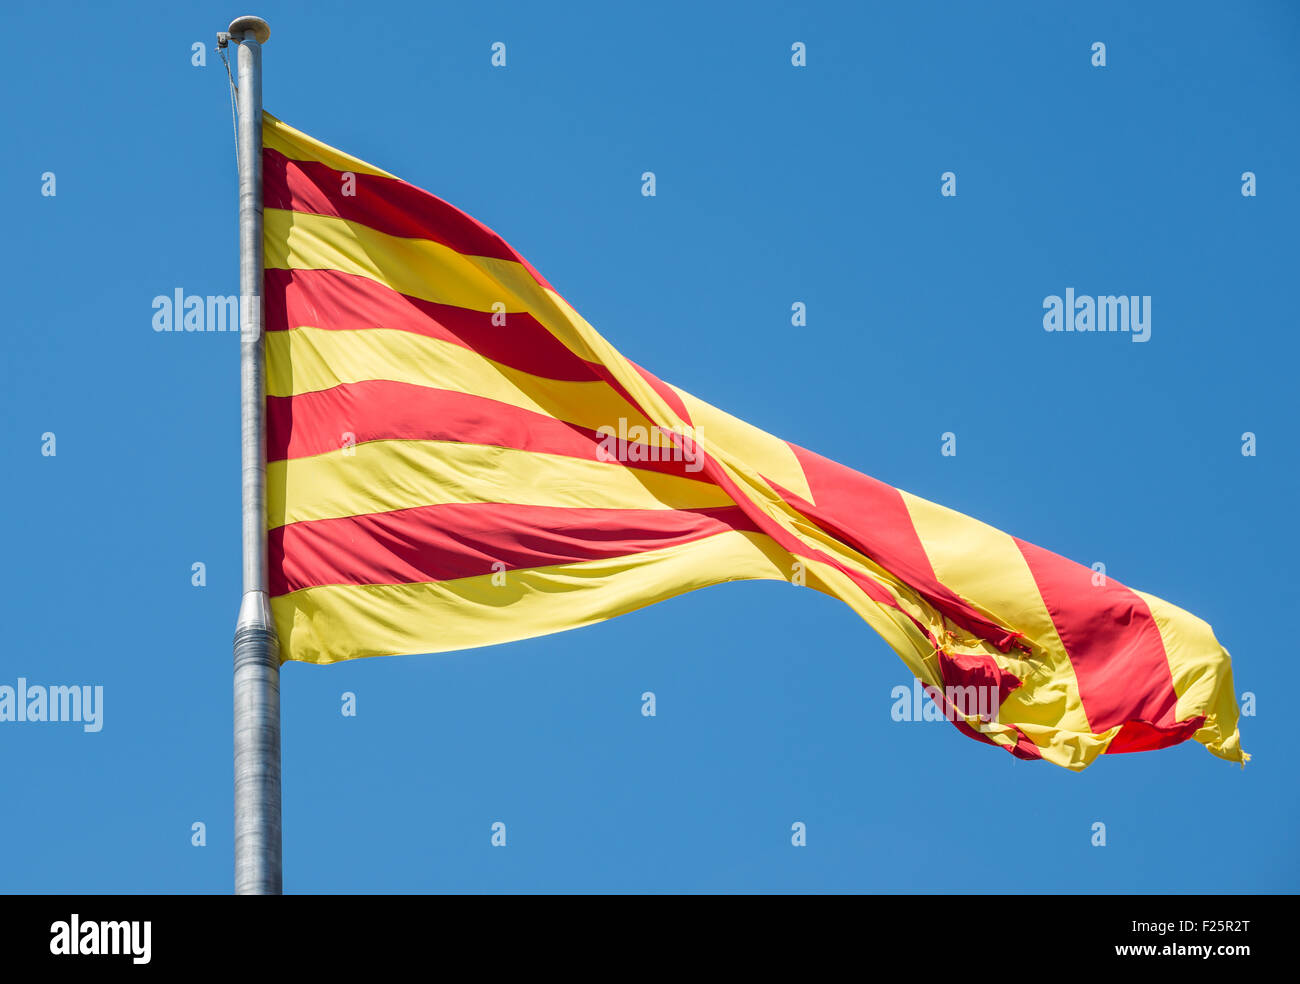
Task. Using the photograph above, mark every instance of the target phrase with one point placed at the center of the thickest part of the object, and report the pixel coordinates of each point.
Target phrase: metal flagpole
(257, 651)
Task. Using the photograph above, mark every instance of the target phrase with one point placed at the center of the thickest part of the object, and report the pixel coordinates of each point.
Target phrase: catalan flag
(455, 458)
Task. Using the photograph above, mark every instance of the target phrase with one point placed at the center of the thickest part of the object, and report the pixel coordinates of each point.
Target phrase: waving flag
(455, 458)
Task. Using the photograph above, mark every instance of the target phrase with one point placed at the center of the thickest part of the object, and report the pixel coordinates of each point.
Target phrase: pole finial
(241, 25)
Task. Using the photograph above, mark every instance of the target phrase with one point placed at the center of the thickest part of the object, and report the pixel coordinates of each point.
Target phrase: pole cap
(240, 25)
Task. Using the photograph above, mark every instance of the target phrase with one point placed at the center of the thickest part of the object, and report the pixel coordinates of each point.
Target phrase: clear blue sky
(775, 185)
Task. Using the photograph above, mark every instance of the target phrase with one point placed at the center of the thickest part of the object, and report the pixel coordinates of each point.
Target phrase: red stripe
(1114, 646)
(377, 410)
(666, 393)
(345, 302)
(444, 542)
(384, 204)
(1139, 736)
(872, 518)
(793, 545)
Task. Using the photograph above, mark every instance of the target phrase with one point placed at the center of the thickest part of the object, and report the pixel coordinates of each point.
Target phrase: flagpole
(257, 651)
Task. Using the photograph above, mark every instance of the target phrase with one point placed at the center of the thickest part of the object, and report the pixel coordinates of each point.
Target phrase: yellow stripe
(336, 622)
(432, 272)
(307, 359)
(416, 267)
(297, 146)
(980, 562)
(381, 476)
(770, 456)
(1202, 674)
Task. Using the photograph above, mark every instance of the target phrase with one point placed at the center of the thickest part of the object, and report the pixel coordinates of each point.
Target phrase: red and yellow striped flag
(455, 458)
